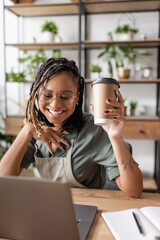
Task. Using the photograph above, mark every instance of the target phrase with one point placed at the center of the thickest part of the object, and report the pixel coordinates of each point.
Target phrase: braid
(51, 67)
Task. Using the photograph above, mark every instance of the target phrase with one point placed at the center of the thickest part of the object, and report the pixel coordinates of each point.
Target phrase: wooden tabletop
(107, 201)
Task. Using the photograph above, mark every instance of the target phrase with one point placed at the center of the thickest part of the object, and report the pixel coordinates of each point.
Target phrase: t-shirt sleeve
(28, 157)
(102, 153)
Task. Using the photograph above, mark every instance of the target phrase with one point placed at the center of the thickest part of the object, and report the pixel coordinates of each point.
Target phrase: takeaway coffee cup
(103, 89)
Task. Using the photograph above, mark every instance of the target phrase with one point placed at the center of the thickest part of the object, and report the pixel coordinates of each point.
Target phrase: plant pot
(124, 110)
(123, 73)
(132, 112)
(125, 36)
(147, 73)
(48, 37)
(94, 75)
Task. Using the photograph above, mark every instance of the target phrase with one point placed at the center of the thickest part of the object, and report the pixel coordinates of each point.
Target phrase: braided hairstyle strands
(51, 67)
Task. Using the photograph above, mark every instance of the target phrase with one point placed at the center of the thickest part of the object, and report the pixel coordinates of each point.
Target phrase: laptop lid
(41, 209)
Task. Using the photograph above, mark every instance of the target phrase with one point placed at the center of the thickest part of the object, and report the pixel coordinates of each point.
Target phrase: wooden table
(106, 201)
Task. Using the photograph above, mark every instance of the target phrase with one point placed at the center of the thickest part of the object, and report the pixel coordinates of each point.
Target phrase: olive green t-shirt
(92, 154)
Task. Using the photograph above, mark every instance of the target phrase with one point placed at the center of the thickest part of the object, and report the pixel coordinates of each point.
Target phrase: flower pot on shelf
(147, 72)
(124, 110)
(124, 36)
(94, 75)
(48, 37)
(132, 112)
(123, 73)
(133, 106)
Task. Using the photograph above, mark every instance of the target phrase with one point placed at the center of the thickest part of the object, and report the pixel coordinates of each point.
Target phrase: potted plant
(49, 30)
(110, 36)
(133, 106)
(129, 56)
(146, 72)
(15, 77)
(56, 53)
(123, 57)
(125, 32)
(95, 71)
(33, 62)
(112, 52)
(124, 107)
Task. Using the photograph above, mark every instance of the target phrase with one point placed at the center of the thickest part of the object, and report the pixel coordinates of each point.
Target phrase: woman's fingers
(92, 107)
(114, 104)
(120, 98)
(54, 138)
(49, 146)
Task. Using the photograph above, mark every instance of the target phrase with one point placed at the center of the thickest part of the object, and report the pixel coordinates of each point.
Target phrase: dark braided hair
(51, 67)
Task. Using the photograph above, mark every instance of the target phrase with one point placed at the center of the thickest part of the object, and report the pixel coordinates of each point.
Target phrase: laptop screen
(33, 209)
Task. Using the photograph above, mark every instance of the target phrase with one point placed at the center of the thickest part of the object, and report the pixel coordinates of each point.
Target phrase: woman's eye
(64, 97)
(47, 96)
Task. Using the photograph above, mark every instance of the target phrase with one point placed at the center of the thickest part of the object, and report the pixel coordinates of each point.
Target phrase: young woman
(63, 141)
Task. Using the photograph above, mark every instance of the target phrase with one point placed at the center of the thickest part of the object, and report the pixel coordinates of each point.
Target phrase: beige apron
(57, 168)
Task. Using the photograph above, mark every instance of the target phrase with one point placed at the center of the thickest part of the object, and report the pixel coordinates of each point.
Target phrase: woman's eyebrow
(50, 91)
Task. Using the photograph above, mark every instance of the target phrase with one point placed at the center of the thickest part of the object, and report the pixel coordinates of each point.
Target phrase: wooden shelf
(134, 43)
(138, 127)
(86, 44)
(49, 46)
(114, 6)
(146, 129)
(35, 10)
(149, 183)
(89, 81)
(143, 118)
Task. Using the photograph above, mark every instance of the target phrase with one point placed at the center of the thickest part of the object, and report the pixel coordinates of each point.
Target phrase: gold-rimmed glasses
(64, 97)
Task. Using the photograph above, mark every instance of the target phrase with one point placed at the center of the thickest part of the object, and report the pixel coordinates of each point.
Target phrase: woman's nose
(55, 102)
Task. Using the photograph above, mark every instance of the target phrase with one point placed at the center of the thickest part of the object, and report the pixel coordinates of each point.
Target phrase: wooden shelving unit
(139, 127)
(32, 10)
(121, 6)
(47, 46)
(153, 43)
(133, 43)
(111, 6)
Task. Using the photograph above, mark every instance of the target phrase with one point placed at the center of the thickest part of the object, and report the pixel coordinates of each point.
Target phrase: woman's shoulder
(88, 122)
(87, 117)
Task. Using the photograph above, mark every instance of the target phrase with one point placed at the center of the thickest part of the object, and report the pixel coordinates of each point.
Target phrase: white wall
(98, 26)
(2, 106)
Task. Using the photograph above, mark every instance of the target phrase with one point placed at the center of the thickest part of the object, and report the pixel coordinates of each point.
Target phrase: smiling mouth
(56, 113)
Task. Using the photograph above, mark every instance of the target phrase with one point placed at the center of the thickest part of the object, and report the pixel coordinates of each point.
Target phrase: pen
(138, 225)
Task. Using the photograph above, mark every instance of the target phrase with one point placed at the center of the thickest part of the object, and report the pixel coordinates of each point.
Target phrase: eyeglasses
(64, 98)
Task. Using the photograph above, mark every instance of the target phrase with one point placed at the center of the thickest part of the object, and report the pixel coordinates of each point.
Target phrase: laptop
(35, 209)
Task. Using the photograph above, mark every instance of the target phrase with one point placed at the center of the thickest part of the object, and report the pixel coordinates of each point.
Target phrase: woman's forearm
(10, 163)
(130, 180)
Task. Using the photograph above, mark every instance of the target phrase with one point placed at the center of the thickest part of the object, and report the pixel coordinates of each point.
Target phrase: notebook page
(153, 214)
(123, 226)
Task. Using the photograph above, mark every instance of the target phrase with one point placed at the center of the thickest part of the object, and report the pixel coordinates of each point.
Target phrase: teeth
(55, 113)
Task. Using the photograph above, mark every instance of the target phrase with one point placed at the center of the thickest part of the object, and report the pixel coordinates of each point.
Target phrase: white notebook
(123, 225)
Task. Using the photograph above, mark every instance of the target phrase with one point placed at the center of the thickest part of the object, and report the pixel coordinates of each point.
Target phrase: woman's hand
(114, 129)
(51, 136)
